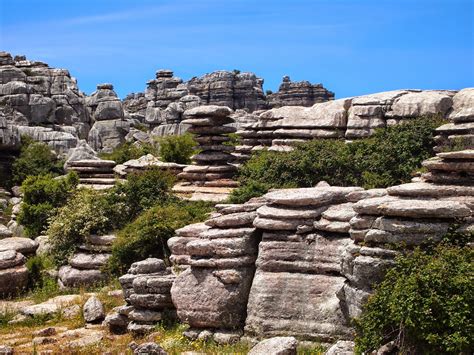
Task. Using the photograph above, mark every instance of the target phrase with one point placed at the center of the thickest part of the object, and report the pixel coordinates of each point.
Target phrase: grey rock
(341, 347)
(10, 258)
(93, 310)
(72, 277)
(276, 346)
(149, 348)
(22, 245)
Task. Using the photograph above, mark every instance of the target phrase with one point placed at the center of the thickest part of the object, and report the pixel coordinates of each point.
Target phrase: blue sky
(353, 47)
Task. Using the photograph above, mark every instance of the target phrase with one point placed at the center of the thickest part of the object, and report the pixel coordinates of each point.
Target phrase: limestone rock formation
(85, 266)
(146, 289)
(109, 125)
(275, 346)
(211, 172)
(218, 257)
(147, 162)
(95, 173)
(301, 93)
(13, 272)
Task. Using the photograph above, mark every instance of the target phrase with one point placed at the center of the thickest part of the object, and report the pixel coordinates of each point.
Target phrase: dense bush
(387, 158)
(141, 191)
(425, 304)
(92, 212)
(42, 195)
(35, 158)
(177, 149)
(129, 150)
(147, 235)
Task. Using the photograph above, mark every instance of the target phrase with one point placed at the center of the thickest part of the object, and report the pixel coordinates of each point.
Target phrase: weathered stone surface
(204, 301)
(93, 310)
(21, 245)
(463, 106)
(149, 348)
(276, 346)
(280, 224)
(423, 189)
(241, 219)
(5, 232)
(208, 111)
(71, 277)
(341, 347)
(423, 103)
(311, 196)
(13, 280)
(10, 258)
(311, 312)
(284, 212)
(88, 261)
(147, 266)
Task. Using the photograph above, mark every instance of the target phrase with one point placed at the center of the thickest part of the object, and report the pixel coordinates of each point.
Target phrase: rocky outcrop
(43, 102)
(298, 265)
(13, 272)
(95, 173)
(147, 162)
(85, 267)
(109, 125)
(351, 118)
(301, 93)
(210, 176)
(146, 289)
(218, 259)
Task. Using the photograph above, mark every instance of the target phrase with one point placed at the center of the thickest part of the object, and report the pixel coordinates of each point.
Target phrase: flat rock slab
(281, 224)
(92, 163)
(343, 212)
(303, 305)
(72, 277)
(192, 230)
(147, 266)
(13, 280)
(101, 239)
(10, 258)
(5, 232)
(89, 261)
(311, 196)
(241, 219)
(285, 212)
(275, 346)
(467, 154)
(423, 189)
(208, 111)
(21, 245)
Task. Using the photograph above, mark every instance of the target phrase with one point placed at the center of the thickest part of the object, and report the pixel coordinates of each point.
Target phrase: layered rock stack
(218, 257)
(351, 118)
(210, 176)
(298, 267)
(109, 125)
(147, 162)
(146, 289)
(13, 273)
(94, 173)
(459, 134)
(85, 267)
(410, 215)
(301, 93)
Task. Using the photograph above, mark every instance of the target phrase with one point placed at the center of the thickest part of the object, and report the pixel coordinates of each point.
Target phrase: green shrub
(246, 192)
(129, 150)
(85, 213)
(387, 158)
(147, 235)
(41, 285)
(425, 304)
(177, 149)
(35, 158)
(42, 195)
(141, 191)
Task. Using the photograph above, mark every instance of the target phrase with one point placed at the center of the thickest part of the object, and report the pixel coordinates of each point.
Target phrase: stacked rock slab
(298, 268)
(218, 259)
(301, 93)
(210, 176)
(351, 118)
(13, 273)
(411, 214)
(85, 267)
(94, 173)
(459, 134)
(146, 289)
(110, 127)
(147, 162)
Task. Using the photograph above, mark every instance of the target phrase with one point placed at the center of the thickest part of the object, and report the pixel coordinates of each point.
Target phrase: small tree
(177, 149)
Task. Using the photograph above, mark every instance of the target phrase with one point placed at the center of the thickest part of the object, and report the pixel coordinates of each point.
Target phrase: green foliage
(35, 158)
(246, 192)
(234, 140)
(177, 149)
(141, 191)
(85, 213)
(129, 150)
(424, 303)
(268, 92)
(42, 195)
(147, 235)
(41, 285)
(387, 158)
(92, 212)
